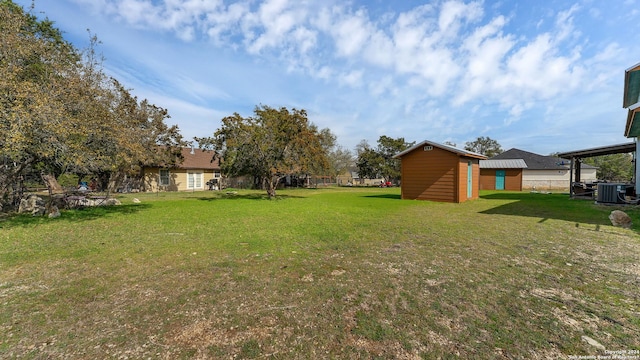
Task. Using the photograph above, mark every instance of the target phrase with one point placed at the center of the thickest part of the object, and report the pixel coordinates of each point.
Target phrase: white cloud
(454, 13)
(352, 78)
(350, 32)
(472, 55)
(273, 22)
(518, 74)
(564, 24)
(384, 86)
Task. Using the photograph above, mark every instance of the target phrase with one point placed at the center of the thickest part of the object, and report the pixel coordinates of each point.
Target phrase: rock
(33, 204)
(39, 211)
(593, 342)
(620, 218)
(110, 202)
(136, 200)
(54, 212)
(58, 200)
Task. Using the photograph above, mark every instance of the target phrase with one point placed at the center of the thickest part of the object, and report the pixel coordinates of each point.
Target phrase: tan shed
(438, 172)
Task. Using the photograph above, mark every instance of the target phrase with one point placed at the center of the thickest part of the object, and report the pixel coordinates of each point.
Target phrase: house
(438, 172)
(501, 174)
(195, 172)
(540, 173)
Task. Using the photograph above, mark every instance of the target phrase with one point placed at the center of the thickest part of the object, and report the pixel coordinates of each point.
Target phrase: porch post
(571, 178)
(637, 168)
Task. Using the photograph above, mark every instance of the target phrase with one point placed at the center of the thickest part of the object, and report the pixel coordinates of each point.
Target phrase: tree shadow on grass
(559, 207)
(385, 196)
(71, 216)
(251, 196)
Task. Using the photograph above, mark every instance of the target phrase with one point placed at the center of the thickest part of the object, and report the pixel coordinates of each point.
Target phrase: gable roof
(198, 159)
(537, 162)
(443, 147)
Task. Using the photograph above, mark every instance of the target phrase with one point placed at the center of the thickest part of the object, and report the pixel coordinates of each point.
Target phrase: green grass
(326, 273)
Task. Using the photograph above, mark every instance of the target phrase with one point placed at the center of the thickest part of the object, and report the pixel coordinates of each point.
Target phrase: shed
(501, 174)
(545, 172)
(438, 172)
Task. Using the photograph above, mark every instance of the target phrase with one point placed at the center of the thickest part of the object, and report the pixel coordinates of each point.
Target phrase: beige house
(197, 171)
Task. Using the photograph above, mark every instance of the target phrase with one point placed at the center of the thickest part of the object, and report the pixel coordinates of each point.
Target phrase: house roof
(537, 162)
(631, 100)
(631, 86)
(503, 164)
(443, 147)
(632, 128)
(198, 159)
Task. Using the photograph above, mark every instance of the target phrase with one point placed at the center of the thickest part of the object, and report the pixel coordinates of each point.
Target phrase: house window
(216, 174)
(164, 177)
(194, 180)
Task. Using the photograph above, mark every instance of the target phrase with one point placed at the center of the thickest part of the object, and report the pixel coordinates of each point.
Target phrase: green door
(500, 174)
(469, 180)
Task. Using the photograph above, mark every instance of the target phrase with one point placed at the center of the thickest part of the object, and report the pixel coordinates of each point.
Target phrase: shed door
(500, 174)
(469, 180)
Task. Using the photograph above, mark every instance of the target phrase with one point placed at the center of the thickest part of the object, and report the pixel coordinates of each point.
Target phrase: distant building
(501, 174)
(540, 173)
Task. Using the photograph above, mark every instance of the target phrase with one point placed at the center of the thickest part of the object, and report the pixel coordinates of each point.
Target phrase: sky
(541, 76)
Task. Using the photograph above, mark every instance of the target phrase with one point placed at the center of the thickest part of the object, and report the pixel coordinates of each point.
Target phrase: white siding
(552, 179)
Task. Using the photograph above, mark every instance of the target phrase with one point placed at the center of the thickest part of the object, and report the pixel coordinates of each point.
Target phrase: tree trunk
(271, 191)
(271, 186)
(52, 184)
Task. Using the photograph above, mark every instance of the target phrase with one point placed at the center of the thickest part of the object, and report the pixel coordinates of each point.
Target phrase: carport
(576, 159)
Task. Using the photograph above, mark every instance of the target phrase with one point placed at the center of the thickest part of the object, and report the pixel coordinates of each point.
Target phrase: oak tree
(60, 112)
(269, 146)
(373, 163)
(484, 145)
(613, 167)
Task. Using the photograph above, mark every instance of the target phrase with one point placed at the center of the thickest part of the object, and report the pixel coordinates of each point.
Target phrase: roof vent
(428, 148)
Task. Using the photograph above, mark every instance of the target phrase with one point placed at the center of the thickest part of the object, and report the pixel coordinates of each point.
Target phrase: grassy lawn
(328, 273)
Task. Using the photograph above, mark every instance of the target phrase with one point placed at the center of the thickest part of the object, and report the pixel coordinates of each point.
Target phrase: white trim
(195, 180)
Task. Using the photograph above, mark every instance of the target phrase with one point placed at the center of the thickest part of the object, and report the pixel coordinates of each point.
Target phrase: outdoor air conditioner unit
(611, 193)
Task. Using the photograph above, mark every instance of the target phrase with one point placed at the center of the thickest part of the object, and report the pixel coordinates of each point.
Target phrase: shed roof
(503, 164)
(537, 162)
(443, 147)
